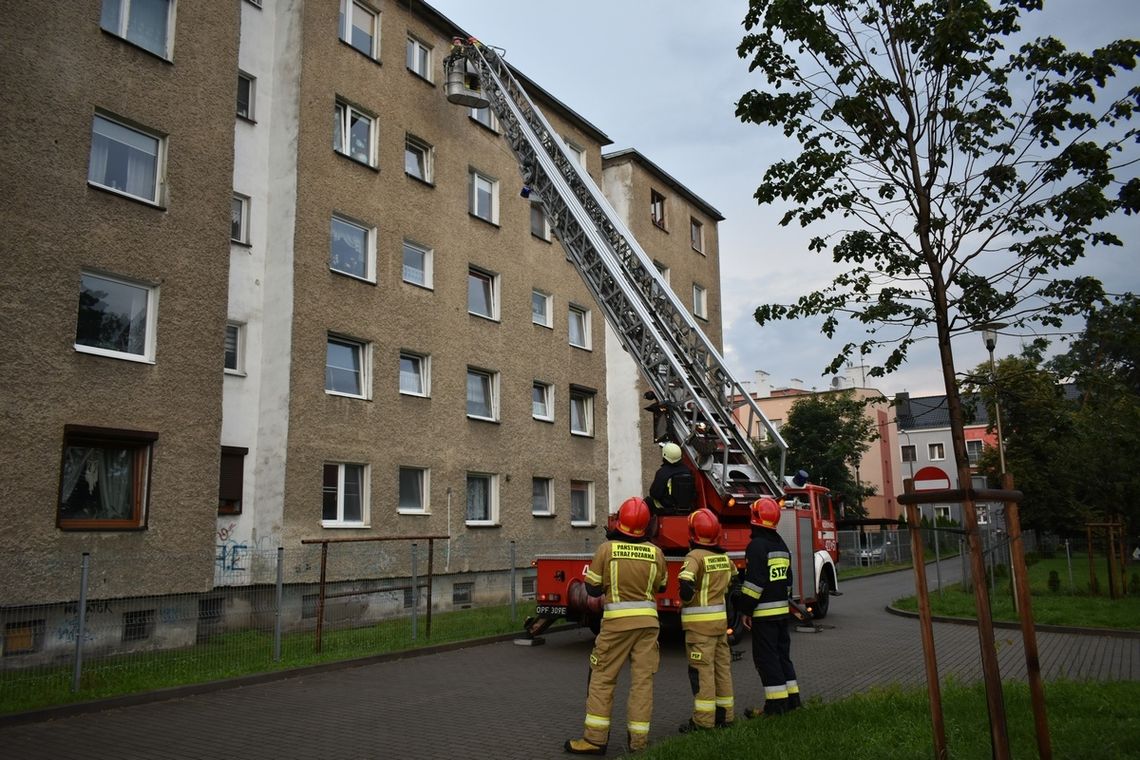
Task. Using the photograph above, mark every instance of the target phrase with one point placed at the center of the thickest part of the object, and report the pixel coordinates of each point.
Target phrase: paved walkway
(508, 702)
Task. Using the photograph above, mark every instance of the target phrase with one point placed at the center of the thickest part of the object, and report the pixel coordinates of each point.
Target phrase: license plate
(547, 610)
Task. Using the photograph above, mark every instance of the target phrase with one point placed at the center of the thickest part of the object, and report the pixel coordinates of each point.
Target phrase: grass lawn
(1098, 721)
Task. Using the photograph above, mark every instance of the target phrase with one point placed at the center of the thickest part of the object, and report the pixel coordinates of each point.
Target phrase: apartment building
(380, 337)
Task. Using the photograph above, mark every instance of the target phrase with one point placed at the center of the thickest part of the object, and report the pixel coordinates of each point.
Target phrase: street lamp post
(989, 335)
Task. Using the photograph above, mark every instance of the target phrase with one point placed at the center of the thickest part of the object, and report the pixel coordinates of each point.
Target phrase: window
(482, 293)
(581, 412)
(146, 23)
(415, 374)
(414, 488)
(346, 368)
(482, 394)
(23, 637)
(937, 451)
(125, 160)
(942, 513)
(352, 249)
(662, 270)
(485, 117)
(104, 478)
(581, 503)
(462, 594)
(116, 318)
(539, 226)
(417, 159)
(419, 58)
(542, 308)
(231, 480)
(700, 302)
(358, 27)
(345, 494)
(482, 498)
(239, 219)
(579, 327)
(696, 235)
(974, 452)
(245, 92)
(657, 208)
(138, 625)
(234, 352)
(542, 401)
(542, 497)
(484, 197)
(908, 453)
(576, 152)
(417, 264)
(354, 133)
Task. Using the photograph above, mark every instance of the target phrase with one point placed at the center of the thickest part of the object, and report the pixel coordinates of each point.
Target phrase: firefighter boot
(721, 718)
(794, 701)
(691, 727)
(583, 747)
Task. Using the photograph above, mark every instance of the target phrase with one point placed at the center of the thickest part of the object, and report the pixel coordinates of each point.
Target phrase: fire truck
(694, 399)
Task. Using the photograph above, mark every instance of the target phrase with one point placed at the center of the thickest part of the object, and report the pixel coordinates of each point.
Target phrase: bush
(1055, 581)
(1032, 558)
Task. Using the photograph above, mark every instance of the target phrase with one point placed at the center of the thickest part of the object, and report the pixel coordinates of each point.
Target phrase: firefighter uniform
(764, 595)
(705, 577)
(629, 572)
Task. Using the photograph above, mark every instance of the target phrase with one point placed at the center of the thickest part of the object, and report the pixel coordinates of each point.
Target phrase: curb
(178, 692)
(1122, 633)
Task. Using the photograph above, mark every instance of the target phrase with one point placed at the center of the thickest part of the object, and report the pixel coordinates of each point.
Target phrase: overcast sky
(663, 76)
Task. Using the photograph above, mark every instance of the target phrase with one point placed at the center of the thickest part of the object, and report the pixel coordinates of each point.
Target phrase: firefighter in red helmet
(704, 579)
(629, 571)
(766, 588)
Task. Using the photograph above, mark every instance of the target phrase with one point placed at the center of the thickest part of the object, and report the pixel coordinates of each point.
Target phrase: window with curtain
(124, 159)
(481, 498)
(104, 478)
(145, 23)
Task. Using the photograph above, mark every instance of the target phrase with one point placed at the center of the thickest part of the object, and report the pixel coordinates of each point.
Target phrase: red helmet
(633, 517)
(704, 528)
(765, 512)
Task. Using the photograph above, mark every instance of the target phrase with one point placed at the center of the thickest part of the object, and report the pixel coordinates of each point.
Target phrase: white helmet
(671, 452)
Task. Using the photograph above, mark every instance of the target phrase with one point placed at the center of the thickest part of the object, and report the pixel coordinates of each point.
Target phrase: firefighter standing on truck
(705, 577)
(764, 598)
(629, 572)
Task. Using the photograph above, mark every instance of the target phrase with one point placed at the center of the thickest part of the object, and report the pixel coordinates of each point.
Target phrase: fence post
(514, 617)
(415, 594)
(280, 593)
(81, 629)
(1069, 561)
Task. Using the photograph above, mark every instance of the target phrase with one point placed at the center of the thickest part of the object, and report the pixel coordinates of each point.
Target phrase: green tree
(827, 435)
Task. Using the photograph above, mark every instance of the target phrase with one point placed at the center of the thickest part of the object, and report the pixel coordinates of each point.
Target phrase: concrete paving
(509, 702)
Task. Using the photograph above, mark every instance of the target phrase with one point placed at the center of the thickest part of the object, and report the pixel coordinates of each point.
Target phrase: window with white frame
(700, 302)
(116, 318)
(486, 117)
(354, 133)
(942, 513)
(542, 497)
(657, 208)
(419, 58)
(662, 270)
(696, 235)
(234, 361)
(483, 192)
(482, 293)
(417, 264)
(360, 27)
(576, 151)
(239, 219)
(581, 411)
(346, 495)
(909, 454)
(581, 503)
(482, 498)
(579, 326)
(542, 401)
(415, 485)
(539, 225)
(974, 452)
(145, 23)
(125, 160)
(246, 89)
(346, 367)
(352, 249)
(542, 308)
(104, 478)
(418, 159)
(936, 451)
(482, 394)
(415, 374)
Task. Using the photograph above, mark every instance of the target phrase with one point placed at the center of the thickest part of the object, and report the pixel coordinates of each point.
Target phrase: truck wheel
(823, 601)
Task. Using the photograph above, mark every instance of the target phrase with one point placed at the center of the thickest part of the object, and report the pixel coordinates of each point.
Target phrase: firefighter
(764, 596)
(672, 488)
(629, 572)
(704, 579)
